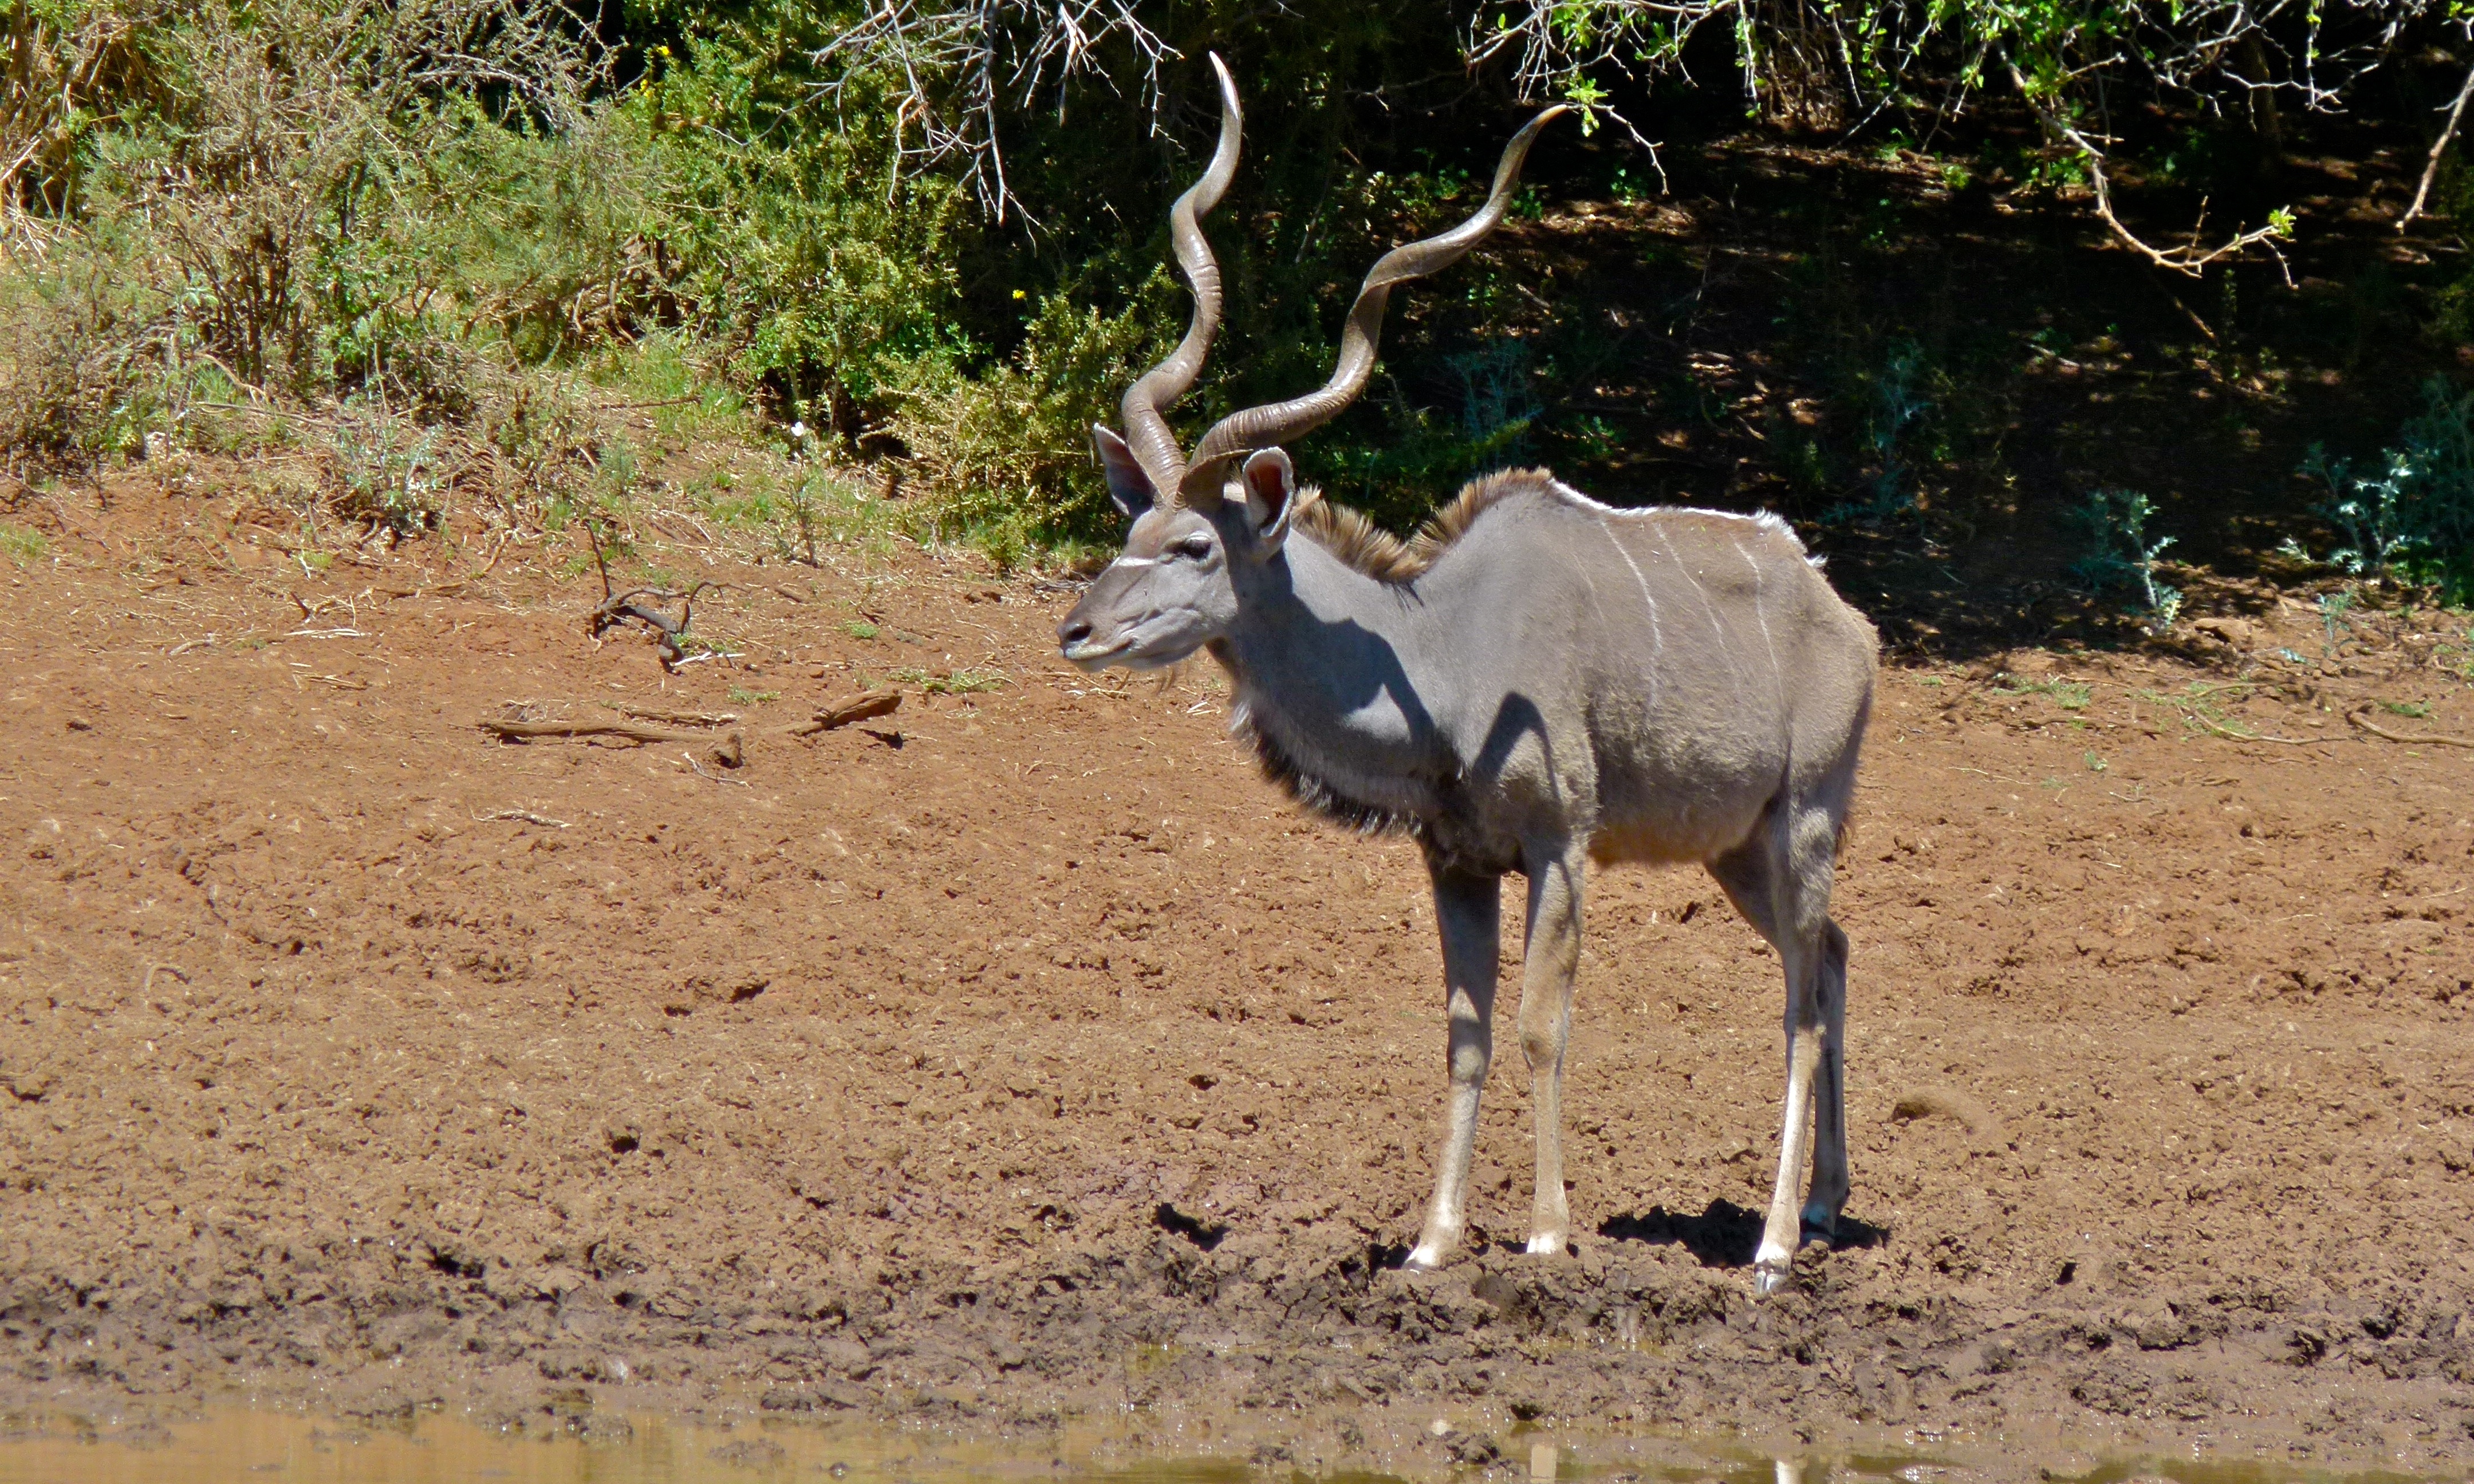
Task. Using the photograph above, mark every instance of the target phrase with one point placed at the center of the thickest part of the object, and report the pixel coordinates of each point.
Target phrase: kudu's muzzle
(1090, 637)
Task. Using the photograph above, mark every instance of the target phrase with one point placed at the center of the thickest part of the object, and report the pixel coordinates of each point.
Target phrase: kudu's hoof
(1423, 1259)
(1768, 1279)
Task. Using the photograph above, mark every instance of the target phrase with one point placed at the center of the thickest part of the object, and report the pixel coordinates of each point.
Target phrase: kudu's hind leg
(1549, 961)
(1772, 878)
(1469, 910)
(1830, 1178)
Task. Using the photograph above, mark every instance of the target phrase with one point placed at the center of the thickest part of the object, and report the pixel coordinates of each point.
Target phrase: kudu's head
(1199, 521)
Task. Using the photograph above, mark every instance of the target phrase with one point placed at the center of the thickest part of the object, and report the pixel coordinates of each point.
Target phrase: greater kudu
(1535, 679)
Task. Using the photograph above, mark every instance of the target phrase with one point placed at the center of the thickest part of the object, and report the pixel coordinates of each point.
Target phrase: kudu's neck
(1333, 670)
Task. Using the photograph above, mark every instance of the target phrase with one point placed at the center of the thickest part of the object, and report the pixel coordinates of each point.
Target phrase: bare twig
(627, 731)
(620, 607)
(2188, 259)
(525, 816)
(2428, 739)
(678, 718)
(859, 708)
(2439, 147)
(959, 63)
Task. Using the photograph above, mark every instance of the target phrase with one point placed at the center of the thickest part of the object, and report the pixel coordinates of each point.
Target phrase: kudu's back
(1655, 677)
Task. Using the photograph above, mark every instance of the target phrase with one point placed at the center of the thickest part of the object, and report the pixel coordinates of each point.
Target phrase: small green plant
(393, 474)
(697, 645)
(2069, 695)
(2201, 707)
(2413, 709)
(1898, 395)
(2455, 658)
(803, 514)
(1007, 454)
(954, 683)
(859, 628)
(2095, 764)
(2118, 554)
(2333, 608)
(24, 547)
(740, 695)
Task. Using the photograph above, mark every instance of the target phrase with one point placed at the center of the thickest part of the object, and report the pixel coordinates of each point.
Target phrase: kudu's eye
(1195, 548)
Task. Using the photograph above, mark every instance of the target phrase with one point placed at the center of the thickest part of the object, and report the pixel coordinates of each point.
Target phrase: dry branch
(859, 708)
(961, 62)
(523, 816)
(516, 731)
(2439, 147)
(2431, 739)
(2188, 259)
(678, 718)
(621, 607)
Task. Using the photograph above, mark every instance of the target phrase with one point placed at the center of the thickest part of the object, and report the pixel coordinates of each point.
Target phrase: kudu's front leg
(1549, 961)
(1469, 912)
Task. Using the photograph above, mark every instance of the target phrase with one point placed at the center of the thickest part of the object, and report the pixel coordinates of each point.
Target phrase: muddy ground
(1021, 1056)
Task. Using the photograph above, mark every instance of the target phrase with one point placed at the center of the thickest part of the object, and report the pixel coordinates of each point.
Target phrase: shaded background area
(445, 257)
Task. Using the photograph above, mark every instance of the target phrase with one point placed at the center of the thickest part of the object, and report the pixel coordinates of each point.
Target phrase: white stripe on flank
(1760, 611)
(1717, 626)
(1656, 634)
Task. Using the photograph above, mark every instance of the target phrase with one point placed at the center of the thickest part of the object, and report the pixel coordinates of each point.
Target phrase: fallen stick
(678, 718)
(859, 708)
(2232, 736)
(525, 816)
(2378, 730)
(515, 730)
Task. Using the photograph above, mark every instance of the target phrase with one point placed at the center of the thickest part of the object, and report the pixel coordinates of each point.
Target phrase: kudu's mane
(1366, 547)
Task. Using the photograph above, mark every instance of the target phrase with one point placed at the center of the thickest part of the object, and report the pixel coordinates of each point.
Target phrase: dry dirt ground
(1022, 1057)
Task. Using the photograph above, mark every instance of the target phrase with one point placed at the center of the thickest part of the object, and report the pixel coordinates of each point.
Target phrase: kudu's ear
(1128, 483)
(1270, 494)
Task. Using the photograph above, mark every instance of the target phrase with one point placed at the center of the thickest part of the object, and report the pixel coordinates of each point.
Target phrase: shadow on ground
(1724, 1235)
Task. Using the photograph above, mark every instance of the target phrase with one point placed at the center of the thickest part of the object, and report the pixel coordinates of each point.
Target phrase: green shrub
(1008, 452)
(2118, 553)
(301, 200)
(2409, 517)
(795, 240)
(79, 338)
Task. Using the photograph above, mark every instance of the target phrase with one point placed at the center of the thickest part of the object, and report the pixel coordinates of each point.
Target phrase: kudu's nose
(1072, 631)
